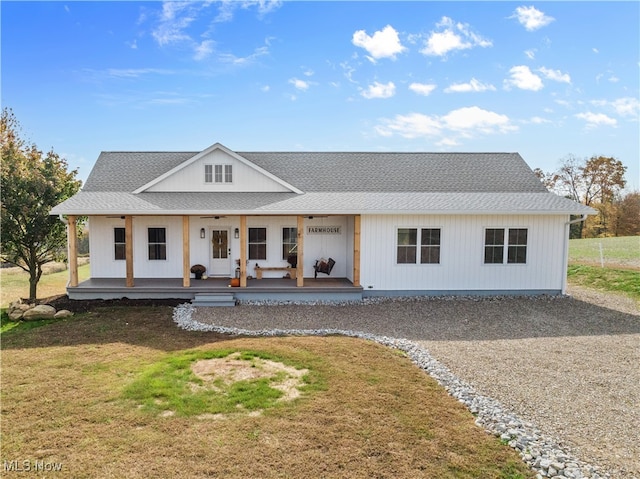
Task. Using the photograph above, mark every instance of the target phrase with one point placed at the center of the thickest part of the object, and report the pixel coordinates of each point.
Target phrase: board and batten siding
(101, 244)
(316, 246)
(461, 266)
(191, 178)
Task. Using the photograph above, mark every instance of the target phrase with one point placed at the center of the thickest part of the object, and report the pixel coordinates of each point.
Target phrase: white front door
(220, 253)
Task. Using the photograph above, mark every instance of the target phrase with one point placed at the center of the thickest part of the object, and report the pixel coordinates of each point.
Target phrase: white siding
(461, 265)
(327, 246)
(191, 178)
(101, 247)
(462, 254)
(103, 264)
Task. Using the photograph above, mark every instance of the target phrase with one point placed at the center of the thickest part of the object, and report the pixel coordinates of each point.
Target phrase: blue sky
(545, 79)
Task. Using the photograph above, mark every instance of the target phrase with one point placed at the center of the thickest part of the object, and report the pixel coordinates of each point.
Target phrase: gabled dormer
(217, 169)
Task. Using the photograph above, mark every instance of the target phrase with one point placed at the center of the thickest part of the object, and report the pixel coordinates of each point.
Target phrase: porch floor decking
(330, 289)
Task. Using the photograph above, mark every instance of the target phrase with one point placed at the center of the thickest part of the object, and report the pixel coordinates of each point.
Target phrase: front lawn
(74, 395)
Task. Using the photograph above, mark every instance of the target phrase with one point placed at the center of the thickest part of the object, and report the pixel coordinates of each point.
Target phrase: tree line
(597, 182)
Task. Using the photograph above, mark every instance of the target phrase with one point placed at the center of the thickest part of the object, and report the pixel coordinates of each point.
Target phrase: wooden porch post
(300, 265)
(243, 251)
(356, 250)
(186, 253)
(128, 249)
(72, 234)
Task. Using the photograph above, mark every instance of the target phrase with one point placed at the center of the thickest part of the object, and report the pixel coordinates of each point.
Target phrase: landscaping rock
(42, 311)
(15, 314)
(29, 312)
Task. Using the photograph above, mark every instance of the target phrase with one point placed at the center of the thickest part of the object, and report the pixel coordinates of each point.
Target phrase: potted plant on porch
(198, 270)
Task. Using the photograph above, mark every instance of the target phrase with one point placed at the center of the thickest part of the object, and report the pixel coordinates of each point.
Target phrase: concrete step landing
(214, 299)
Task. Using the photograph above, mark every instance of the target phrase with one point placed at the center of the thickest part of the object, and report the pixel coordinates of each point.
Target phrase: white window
(258, 243)
(410, 238)
(157, 242)
(505, 245)
(222, 173)
(289, 242)
(208, 173)
(119, 244)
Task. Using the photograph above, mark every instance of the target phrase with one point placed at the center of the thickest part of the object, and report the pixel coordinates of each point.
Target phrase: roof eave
(474, 212)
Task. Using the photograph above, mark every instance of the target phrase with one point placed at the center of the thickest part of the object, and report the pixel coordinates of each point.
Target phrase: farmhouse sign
(324, 230)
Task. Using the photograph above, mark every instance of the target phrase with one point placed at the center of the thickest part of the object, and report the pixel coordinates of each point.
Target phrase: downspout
(64, 220)
(567, 226)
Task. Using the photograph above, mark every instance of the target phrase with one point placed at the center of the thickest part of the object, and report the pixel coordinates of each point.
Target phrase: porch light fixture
(236, 233)
(202, 233)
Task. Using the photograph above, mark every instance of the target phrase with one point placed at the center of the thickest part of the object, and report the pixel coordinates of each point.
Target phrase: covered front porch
(227, 246)
(276, 289)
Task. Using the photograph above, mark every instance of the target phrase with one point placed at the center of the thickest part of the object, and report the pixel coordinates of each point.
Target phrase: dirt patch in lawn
(233, 369)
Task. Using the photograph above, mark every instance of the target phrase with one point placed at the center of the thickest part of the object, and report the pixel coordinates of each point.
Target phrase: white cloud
(596, 119)
(555, 75)
(234, 60)
(383, 44)
(627, 107)
(452, 36)
(523, 78)
(470, 119)
(177, 19)
(265, 88)
(348, 71)
(203, 50)
(531, 54)
(531, 18)
(537, 120)
(473, 86)
(300, 84)
(422, 88)
(413, 125)
(174, 19)
(449, 129)
(132, 72)
(227, 8)
(379, 90)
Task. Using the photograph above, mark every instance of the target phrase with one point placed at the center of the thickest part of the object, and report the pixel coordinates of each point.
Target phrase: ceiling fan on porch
(215, 217)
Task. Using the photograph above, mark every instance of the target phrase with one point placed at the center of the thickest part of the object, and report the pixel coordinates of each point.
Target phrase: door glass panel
(220, 244)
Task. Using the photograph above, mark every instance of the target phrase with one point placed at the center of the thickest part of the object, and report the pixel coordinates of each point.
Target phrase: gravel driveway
(569, 364)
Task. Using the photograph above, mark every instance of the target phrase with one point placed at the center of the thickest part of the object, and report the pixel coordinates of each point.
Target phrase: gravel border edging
(540, 453)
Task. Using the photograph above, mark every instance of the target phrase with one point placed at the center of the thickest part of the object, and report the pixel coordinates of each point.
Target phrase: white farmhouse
(366, 224)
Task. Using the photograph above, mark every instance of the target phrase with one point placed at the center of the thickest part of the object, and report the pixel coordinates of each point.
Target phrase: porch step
(214, 299)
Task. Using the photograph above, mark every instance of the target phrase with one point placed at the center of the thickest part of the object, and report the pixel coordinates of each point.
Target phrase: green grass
(14, 283)
(7, 325)
(606, 279)
(621, 251)
(63, 387)
(621, 258)
(170, 385)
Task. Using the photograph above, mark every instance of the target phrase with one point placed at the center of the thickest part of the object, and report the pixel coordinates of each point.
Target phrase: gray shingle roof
(332, 183)
(346, 171)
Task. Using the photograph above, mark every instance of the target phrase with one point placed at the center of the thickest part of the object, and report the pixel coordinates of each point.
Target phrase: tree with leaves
(595, 182)
(32, 183)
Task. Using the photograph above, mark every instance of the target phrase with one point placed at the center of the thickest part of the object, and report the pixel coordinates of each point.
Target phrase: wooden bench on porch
(288, 269)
